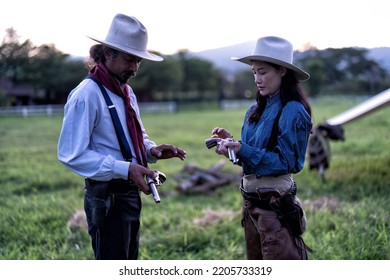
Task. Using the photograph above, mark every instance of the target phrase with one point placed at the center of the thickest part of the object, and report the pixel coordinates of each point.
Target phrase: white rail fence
(150, 107)
(32, 110)
(55, 110)
(227, 104)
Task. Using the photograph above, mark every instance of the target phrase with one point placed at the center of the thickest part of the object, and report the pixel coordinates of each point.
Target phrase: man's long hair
(97, 55)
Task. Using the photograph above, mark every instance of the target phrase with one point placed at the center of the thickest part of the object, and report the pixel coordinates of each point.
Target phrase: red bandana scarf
(101, 73)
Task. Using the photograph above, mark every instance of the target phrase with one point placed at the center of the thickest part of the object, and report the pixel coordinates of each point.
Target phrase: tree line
(181, 77)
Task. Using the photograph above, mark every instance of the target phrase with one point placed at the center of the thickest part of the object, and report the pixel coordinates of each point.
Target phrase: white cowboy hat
(127, 34)
(274, 50)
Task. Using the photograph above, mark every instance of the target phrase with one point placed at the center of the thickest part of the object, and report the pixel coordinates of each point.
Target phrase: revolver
(213, 142)
(154, 182)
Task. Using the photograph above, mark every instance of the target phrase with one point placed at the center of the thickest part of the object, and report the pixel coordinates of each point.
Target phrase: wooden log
(195, 180)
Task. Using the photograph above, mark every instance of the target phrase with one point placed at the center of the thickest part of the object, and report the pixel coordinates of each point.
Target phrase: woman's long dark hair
(290, 89)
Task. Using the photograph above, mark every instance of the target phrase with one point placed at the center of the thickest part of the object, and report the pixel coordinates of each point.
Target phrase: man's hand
(137, 174)
(166, 151)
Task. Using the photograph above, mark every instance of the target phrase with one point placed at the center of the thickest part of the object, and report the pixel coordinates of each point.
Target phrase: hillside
(221, 57)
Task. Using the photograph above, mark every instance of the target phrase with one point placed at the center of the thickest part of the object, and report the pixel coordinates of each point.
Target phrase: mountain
(221, 57)
(381, 55)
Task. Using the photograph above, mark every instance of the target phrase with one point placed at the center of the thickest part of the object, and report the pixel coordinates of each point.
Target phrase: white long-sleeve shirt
(88, 144)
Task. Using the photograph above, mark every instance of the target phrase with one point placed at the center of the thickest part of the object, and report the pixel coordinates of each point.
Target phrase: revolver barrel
(153, 183)
(212, 142)
(153, 188)
(232, 155)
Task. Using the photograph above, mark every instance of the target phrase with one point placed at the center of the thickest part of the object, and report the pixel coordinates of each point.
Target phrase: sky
(198, 25)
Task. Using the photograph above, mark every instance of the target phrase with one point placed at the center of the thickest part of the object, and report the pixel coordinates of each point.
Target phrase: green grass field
(41, 201)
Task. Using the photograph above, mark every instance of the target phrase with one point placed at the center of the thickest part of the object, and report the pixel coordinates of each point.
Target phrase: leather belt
(256, 201)
(115, 186)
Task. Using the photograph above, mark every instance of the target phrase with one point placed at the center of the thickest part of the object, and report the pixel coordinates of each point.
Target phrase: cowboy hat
(127, 34)
(274, 50)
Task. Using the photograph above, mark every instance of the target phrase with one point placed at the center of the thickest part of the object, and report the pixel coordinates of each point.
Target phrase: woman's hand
(219, 132)
(222, 148)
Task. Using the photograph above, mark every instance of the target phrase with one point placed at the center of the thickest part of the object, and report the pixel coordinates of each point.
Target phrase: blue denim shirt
(289, 154)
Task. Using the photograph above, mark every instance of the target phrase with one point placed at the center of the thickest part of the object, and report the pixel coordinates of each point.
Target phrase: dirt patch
(78, 220)
(331, 204)
(211, 217)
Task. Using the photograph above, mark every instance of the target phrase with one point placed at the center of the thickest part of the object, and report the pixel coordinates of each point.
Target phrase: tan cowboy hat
(274, 50)
(127, 34)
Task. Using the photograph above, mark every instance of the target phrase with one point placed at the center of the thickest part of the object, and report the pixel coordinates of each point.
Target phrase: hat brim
(143, 54)
(299, 73)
